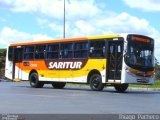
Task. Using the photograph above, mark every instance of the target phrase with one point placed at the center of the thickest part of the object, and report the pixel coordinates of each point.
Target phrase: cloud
(5, 4)
(115, 23)
(145, 5)
(57, 28)
(82, 19)
(54, 8)
(9, 35)
(42, 21)
(82, 10)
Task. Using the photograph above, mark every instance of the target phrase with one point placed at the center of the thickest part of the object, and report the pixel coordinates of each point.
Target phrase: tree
(2, 61)
(157, 69)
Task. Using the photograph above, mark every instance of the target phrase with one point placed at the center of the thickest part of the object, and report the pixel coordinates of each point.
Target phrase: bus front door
(17, 59)
(115, 55)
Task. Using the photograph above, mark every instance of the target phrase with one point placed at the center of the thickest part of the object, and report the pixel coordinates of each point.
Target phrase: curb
(147, 89)
(129, 88)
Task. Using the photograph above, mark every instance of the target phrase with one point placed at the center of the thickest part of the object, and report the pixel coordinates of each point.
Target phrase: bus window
(66, 50)
(81, 50)
(40, 51)
(10, 54)
(29, 49)
(97, 49)
(52, 51)
(29, 52)
(53, 47)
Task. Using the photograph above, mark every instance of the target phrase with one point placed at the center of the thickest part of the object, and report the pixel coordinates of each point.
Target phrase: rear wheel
(121, 87)
(34, 81)
(58, 85)
(96, 82)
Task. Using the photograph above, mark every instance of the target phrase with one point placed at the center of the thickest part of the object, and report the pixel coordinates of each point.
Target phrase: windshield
(139, 53)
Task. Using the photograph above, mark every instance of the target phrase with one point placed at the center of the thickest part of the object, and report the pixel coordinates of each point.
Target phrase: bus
(106, 60)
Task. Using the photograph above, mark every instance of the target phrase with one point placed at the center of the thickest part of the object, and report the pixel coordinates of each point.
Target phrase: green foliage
(157, 72)
(2, 61)
(157, 69)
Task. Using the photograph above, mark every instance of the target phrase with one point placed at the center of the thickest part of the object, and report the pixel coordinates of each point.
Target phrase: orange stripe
(49, 41)
(33, 64)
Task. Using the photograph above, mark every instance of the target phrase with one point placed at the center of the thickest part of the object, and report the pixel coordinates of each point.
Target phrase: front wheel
(96, 82)
(121, 87)
(58, 85)
(34, 81)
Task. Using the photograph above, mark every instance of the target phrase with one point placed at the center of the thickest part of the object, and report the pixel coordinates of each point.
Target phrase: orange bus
(117, 60)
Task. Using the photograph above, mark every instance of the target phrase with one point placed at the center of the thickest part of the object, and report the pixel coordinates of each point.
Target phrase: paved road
(21, 98)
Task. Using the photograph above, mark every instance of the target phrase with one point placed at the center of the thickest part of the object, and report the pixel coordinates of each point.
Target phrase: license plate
(142, 80)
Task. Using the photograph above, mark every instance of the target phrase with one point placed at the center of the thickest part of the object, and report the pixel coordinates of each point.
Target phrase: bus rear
(138, 60)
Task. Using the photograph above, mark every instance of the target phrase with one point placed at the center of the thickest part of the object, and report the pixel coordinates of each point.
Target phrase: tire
(34, 81)
(58, 85)
(121, 87)
(96, 82)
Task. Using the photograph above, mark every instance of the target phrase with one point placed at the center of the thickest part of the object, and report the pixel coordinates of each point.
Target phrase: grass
(155, 85)
(77, 85)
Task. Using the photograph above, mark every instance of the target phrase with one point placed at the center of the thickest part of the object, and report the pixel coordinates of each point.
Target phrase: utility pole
(64, 18)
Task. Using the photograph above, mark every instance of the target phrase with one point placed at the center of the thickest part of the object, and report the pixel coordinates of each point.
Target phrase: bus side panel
(92, 64)
(18, 71)
(25, 75)
(28, 66)
(68, 75)
(8, 67)
(79, 76)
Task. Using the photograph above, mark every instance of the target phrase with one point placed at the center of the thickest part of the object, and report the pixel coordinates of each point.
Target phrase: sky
(34, 20)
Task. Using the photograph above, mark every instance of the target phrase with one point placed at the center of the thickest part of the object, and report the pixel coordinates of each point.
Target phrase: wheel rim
(96, 81)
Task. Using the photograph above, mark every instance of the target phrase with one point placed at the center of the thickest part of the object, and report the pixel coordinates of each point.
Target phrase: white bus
(117, 60)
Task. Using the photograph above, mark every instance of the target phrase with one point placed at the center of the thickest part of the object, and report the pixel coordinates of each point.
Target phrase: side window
(97, 49)
(29, 52)
(10, 54)
(40, 51)
(66, 50)
(52, 51)
(81, 50)
(119, 51)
